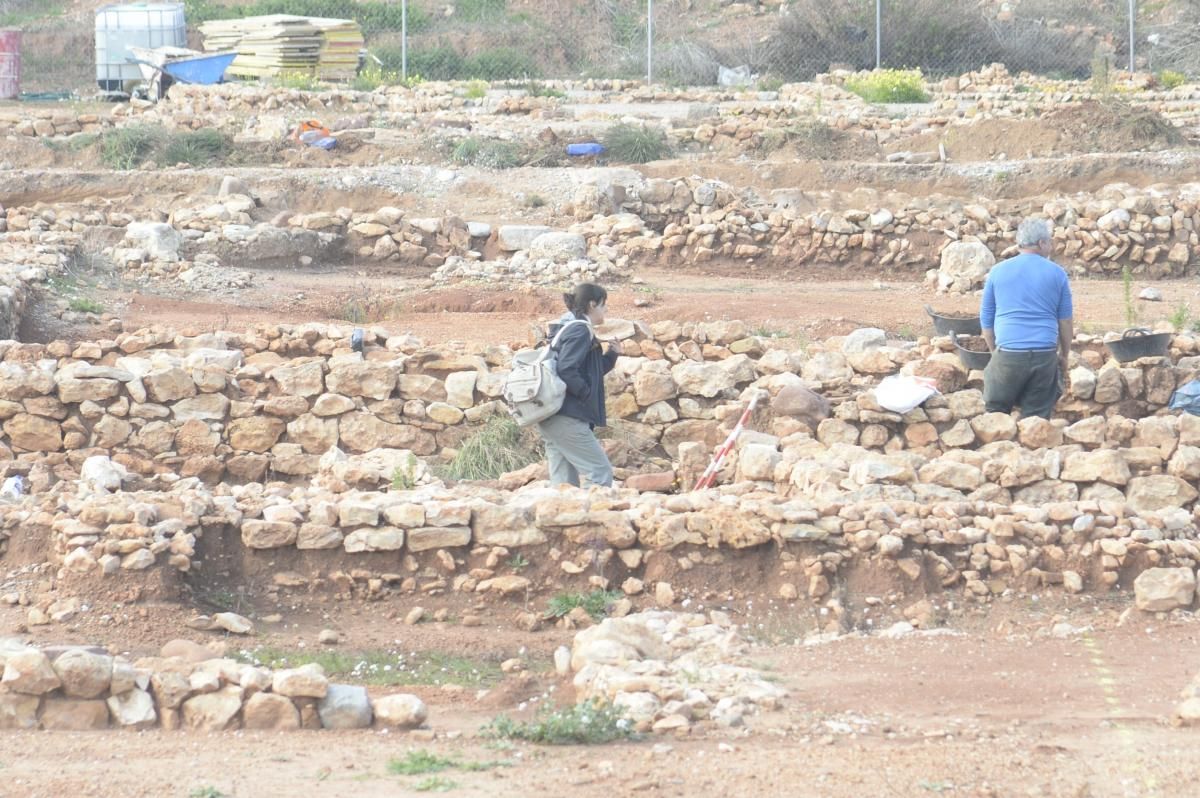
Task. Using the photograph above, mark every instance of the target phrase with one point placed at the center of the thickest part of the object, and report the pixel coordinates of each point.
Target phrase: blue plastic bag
(1187, 397)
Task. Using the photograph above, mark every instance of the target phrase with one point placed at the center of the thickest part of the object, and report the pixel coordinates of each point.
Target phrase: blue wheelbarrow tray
(200, 69)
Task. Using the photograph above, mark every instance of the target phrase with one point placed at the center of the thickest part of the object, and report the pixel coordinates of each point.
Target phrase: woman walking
(572, 450)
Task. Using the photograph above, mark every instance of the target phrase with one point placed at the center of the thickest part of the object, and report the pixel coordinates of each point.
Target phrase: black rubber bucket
(951, 325)
(1139, 342)
(972, 359)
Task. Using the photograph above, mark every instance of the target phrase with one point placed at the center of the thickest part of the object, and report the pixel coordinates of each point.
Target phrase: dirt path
(981, 714)
(810, 308)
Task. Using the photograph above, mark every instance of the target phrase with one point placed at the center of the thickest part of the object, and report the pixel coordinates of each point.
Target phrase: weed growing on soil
(297, 79)
(435, 784)
(1180, 317)
(488, 153)
(768, 332)
(588, 723)
(499, 447)
(770, 83)
(595, 603)
(517, 562)
(476, 89)
(198, 148)
(84, 305)
(535, 88)
(128, 147)
(636, 143)
(404, 478)
(416, 763)
(366, 305)
(535, 201)
(206, 792)
(1131, 313)
(76, 143)
(890, 86)
(1170, 79)
(373, 76)
(380, 667)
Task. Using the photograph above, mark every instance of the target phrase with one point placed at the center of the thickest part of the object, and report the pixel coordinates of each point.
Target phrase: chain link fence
(681, 42)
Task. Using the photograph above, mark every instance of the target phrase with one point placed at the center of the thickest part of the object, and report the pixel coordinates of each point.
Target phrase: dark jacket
(582, 365)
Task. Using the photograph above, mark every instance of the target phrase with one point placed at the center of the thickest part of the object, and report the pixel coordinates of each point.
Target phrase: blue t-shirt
(1023, 300)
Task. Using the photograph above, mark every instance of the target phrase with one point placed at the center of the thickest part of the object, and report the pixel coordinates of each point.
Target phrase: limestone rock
(233, 623)
(1164, 589)
(964, 266)
(84, 674)
(268, 534)
(256, 433)
(133, 709)
(307, 681)
(1102, 465)
(28, 672)
(213, 711)
(18, 711)
(65, 714)
(400, 711)
(1158, 492)
(345, 707)
(800, 402)
(558, 247)
(270, 712)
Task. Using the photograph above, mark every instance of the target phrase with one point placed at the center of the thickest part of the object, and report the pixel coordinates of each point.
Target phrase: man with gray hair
(1026, 318)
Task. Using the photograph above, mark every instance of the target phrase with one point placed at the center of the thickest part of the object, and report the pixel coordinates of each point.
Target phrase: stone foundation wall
(68, 688)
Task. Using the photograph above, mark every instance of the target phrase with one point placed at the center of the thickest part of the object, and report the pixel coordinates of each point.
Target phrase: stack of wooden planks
(282, 43)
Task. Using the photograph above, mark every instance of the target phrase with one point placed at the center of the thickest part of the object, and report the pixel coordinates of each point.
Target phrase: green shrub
(198, 148)
(299, 79)
(535, 88)
(479, 10)
(1181, 317)
(373, 76)
(636, 143)
(588, 723)
(405, 478)
(595, 603)
(477, 89)
(500, 63)
(1170, 79)
(442, 62)
(770, 83)
(890, 86)
(129, 147)
(85, 305)
(488, 153)
(499, 447)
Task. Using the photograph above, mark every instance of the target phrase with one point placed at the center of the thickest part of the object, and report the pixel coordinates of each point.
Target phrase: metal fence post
(1132, 17)
(878, 32)
(649, 42)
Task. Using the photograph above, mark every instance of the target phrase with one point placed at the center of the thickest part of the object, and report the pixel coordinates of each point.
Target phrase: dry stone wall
(946, 497)
(237, 407)
(71, 688)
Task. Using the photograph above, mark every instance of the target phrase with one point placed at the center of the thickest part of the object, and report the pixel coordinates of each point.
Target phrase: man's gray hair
(1034, 231)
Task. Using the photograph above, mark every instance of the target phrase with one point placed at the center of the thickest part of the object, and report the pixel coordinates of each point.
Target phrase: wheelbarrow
(168, 65)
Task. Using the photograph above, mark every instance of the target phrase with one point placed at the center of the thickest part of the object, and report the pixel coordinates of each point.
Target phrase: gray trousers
(572, 450)
(1029, 380)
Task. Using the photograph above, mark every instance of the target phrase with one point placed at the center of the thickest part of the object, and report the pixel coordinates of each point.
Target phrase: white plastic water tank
(140, 24)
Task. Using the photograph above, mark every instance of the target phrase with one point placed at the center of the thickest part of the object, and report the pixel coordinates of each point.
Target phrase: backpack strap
(563, 329)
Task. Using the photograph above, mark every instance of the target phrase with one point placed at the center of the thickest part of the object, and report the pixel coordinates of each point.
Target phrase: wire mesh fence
(680, 42)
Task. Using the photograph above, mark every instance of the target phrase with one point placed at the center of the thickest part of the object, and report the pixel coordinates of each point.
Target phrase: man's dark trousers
(1029, 380)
